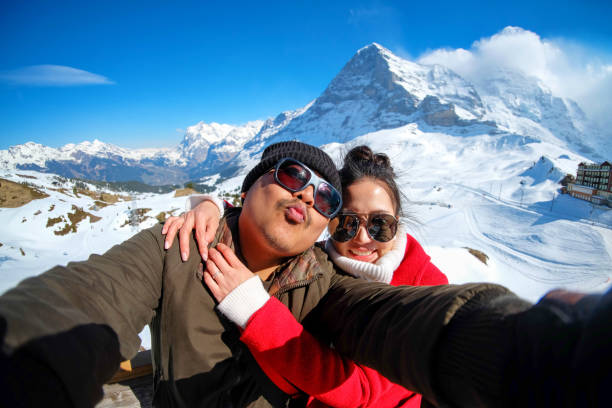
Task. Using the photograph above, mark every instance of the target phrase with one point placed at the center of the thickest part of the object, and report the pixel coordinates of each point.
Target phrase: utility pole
(552, 202)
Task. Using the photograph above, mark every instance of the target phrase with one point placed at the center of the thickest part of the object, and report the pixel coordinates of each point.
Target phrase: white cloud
(568, 69)
(52, 75)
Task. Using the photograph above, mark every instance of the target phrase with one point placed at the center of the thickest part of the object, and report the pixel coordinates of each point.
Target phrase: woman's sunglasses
(296, 176)
(381, 227)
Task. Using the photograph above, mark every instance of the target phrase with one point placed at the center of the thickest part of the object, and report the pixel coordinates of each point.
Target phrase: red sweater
(295, 360)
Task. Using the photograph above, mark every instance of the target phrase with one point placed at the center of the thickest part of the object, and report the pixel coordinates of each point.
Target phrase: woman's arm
(287, 353)
(283, 348)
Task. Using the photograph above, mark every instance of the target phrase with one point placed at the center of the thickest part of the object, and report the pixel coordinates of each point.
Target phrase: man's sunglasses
(381, 227)
(296, 176)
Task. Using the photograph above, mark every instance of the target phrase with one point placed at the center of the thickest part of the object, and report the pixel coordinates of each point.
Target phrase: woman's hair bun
(365, 154)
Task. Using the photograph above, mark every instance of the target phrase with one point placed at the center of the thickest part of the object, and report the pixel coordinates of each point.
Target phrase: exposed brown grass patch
(481, 256)
(52, 221)
(37, 212)
(52, 207)
(106, 198)
(184, 192)
(22, 251)
(13, 195)
(98, 205)
(74, 218)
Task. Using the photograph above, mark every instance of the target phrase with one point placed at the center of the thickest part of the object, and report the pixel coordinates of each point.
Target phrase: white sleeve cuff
(242, 302)
(195, 199)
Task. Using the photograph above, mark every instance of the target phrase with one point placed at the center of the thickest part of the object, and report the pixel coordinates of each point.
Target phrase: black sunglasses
(296, 176)
(381, 227)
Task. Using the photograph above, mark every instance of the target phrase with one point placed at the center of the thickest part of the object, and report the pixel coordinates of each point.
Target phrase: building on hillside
(593, 183)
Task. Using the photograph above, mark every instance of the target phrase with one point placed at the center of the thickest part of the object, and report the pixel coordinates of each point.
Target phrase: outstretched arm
(476, 345)
(73, 325)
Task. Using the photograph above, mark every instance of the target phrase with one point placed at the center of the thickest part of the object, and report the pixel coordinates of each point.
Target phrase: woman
(367, 242)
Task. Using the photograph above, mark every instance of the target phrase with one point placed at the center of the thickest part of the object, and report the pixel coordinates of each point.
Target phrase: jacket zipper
(296, 285)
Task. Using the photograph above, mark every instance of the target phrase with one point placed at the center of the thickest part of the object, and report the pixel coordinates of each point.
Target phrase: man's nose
(306, 195)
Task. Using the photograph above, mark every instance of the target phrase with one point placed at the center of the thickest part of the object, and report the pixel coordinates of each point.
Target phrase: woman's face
(366, 196)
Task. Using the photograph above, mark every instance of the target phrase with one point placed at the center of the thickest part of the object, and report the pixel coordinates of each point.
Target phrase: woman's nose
(362, 236)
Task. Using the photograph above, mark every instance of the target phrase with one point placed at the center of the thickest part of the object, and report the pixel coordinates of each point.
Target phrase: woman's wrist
(242, 302)
(195, 199)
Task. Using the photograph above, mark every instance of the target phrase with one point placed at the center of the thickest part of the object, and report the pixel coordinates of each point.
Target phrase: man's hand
(224, 271)
(204, 219)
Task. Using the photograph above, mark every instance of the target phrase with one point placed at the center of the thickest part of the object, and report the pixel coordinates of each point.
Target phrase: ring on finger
(217, 273)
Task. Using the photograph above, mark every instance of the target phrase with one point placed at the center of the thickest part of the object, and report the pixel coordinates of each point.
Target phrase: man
(65, 331)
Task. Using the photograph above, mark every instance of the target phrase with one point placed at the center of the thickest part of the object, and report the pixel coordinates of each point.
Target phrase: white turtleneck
(379, 271)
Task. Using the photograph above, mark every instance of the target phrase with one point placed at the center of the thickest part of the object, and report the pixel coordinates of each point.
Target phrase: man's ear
(243, 195)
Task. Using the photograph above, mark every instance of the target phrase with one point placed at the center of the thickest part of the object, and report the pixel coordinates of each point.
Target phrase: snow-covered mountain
(375, 90)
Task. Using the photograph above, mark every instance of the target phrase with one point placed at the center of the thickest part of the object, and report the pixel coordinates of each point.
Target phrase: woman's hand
(204, 218)
(224, 271)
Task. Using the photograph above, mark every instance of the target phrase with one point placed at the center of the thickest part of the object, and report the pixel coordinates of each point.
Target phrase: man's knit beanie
(311, 156)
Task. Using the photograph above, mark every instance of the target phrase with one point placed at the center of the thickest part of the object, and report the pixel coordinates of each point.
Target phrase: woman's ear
(243, 195)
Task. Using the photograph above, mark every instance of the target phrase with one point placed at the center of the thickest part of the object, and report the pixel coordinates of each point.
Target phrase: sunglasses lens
(344, 227)
(382, 227)
(292, 175)
(327, 199)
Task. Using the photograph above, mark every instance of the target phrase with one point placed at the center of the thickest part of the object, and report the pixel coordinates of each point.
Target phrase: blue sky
(137, 73)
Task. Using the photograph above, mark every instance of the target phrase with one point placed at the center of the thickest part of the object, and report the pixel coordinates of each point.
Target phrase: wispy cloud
(568, 69)
(52, 75)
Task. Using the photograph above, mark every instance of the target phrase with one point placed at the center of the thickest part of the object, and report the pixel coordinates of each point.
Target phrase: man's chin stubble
(278, 243)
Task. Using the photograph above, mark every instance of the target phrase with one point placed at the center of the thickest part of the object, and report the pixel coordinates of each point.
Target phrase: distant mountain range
(375, 90)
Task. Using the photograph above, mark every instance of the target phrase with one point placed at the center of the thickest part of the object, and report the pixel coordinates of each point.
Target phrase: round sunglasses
(380, 227)
(294, 176)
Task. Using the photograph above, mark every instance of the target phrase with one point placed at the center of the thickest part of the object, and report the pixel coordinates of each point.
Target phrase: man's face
(283, 222)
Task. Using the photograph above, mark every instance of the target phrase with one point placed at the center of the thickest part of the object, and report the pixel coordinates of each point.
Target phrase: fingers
(171, 226)
(213, 286)
(206, 217)
(211, 229)
(202, 240)
(184, 235)
(229, 255)
(218, 260)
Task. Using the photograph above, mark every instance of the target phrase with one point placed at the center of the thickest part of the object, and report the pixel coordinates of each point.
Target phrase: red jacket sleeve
(294, 359)
(416, 268)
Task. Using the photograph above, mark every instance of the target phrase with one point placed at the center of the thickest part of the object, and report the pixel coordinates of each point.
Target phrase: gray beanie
(311, 156)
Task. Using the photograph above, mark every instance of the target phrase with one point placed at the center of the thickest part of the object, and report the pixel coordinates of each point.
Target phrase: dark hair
(362, 162)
